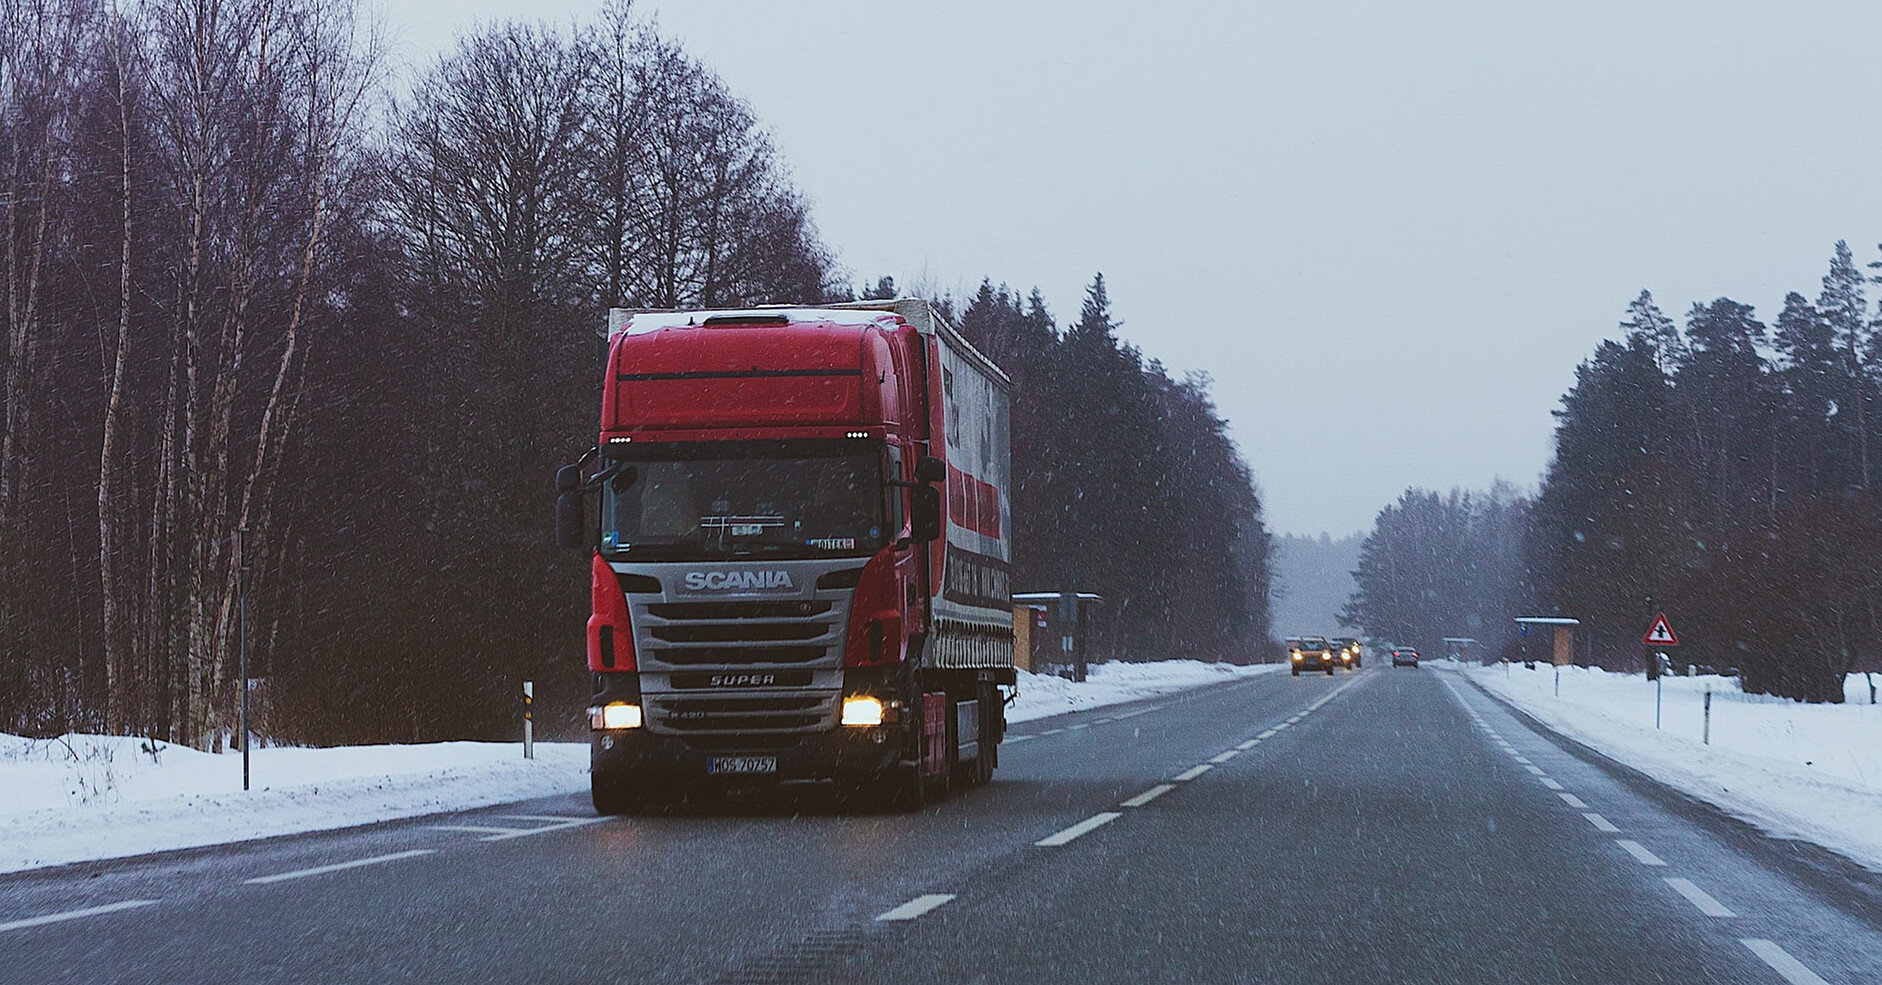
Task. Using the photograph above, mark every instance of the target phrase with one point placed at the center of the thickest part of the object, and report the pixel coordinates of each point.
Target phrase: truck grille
(739, 656)
(725, 714)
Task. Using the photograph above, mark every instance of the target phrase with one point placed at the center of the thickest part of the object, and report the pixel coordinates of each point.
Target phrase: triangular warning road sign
(1662, 633)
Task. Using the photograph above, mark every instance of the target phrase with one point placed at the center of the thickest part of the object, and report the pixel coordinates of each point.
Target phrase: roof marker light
(620, 441)
(857, 434)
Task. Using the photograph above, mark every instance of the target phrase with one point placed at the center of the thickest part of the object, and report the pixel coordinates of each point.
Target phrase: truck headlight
(614, 715)
(862, 710)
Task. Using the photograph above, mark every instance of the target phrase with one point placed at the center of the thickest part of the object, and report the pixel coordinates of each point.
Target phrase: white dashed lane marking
(1269, 734)
(1700, 898)
(90, 911)
(1639, 852)
(1192, 773)
(1226, 756)
(1086, 826)
(916, 907)
(1550, 783)
(1781, 962)
(1250, 744)
(338, 867)
(1534, 770)
(1601, 823)
(1149, 795)
(1573, 801)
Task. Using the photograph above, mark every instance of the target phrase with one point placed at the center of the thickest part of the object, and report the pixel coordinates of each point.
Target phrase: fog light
(617, 715)
(862, 710)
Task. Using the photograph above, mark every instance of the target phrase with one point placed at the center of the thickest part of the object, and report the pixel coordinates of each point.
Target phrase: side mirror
(568, 478)
(570, 519)
(930, 469)
(924, 513)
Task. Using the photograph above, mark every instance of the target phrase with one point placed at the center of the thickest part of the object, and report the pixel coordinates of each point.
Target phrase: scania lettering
(800, 570)
(719, 581)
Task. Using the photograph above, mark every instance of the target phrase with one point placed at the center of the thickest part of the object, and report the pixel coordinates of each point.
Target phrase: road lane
(1388, 826)
(1385, 839)
(683, 898)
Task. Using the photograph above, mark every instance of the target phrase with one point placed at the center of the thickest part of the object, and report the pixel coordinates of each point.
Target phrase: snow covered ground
(1811, 772)
(84, 797)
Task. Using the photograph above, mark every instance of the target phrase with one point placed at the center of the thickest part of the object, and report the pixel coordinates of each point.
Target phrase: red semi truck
(801, 566)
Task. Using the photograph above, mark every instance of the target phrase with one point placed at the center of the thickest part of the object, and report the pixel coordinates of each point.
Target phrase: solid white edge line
(917, 906)
(1149, 795)
(1706, 902)
(90, 911)
(337, 866)
(1781, 962)
(1051, 731)
(1601, 823)
(1225, 756)
(1573, 801)
(1192, 773)
(1639, 852)
(1019, 738)
(479, 829)
(1089, 824)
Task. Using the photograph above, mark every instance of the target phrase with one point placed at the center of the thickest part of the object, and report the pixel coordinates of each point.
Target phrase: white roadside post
(1659, 686)
(1708, 726)
(529, 723)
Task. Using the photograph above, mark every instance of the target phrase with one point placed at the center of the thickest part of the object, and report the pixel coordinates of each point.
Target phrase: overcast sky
(1388, 230)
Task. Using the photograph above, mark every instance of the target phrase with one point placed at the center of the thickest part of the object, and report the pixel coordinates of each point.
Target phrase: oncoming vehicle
(1311, 653)
(1404, 656)
(1348, 650)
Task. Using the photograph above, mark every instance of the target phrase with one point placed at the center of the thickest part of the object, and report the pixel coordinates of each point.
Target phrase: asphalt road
(1382, 827)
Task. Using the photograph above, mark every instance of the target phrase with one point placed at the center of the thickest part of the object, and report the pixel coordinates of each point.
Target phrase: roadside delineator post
(1708, 726)
(529, 722)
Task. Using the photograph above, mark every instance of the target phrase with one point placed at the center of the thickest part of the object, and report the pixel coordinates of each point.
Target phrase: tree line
(1722, 471)
(276, 336)
(1125, 483)
(1443, 566)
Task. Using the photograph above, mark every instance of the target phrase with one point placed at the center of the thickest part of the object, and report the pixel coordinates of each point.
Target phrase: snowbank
(86, 797)
(1810, 772)
(1115, 683)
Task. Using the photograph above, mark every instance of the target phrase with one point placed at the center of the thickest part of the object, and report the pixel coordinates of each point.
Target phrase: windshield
(776, 499)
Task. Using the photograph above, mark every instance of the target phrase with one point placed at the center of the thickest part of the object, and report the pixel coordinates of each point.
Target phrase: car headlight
(862, 710)
(1297, 656)
(614, 715)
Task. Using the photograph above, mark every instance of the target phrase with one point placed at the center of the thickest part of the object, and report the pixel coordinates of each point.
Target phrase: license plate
(742, 764)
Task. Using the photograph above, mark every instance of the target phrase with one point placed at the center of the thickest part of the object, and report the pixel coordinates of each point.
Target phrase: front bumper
(847, 753)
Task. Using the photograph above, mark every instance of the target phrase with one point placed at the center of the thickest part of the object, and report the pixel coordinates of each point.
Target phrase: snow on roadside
(86, 797)
(1041, 696)
(1808, 772)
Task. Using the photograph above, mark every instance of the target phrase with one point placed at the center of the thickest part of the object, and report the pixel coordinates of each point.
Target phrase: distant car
(1348, 650)
(1404, 656)
(1311, 653)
